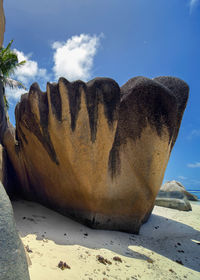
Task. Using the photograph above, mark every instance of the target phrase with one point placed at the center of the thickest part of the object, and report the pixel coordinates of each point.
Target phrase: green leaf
(8, 64)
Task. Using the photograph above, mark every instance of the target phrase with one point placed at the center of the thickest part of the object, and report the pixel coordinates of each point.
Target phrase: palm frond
(6, 50)
(21, 63)
(8, 64)
(8, 46)
(13, 83)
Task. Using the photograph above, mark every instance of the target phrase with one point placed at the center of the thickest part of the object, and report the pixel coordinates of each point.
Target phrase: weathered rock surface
(13, 264)
(7, 174)
(3, 166)
(181, 204)
(173, 195)
(86, 152)
(1, 163)
(174, 189)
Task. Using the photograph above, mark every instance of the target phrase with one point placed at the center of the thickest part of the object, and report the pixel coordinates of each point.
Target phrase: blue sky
(118, 39)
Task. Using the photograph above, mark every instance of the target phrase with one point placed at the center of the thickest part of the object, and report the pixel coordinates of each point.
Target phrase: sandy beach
(168, 246)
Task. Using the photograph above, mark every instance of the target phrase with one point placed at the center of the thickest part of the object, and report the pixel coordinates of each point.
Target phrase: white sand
(168, 236)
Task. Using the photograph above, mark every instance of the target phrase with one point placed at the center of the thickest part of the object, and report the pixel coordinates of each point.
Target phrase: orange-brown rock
(95, 152)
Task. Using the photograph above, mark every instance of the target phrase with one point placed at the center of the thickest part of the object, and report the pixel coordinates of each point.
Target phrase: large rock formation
(85, 151)
(13, 264)
(93, 151)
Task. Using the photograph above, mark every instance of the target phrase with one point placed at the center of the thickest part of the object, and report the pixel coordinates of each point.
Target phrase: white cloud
(13, 94)
(30, 70)
(73, 59)
(194, 165)
(182, 177)
(193, 4)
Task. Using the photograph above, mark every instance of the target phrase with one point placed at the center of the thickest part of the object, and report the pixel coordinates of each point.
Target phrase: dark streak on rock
(114, 158)
(19, 135)
(99, 90)
(107, 92)
(143, 102)
(74, 97)
(25, 117)
(147, 102)
(180, 90)
(20, 132)
(55, 100)
(3, 118)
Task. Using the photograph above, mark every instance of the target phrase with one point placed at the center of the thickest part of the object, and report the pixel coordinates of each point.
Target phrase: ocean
(195, 192)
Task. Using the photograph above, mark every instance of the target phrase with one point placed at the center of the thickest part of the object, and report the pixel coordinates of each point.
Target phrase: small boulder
(174, 189)
(174, 203)
(173, 195)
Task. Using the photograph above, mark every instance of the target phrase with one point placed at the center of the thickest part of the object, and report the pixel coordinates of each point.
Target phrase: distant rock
(13, 264)
(93, 151)
(173, 195)
(173, 189)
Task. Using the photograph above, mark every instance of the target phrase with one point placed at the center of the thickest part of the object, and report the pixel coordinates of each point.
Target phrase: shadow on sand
(164, 236)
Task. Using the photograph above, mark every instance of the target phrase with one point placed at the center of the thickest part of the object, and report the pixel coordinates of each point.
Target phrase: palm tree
(8, 64)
